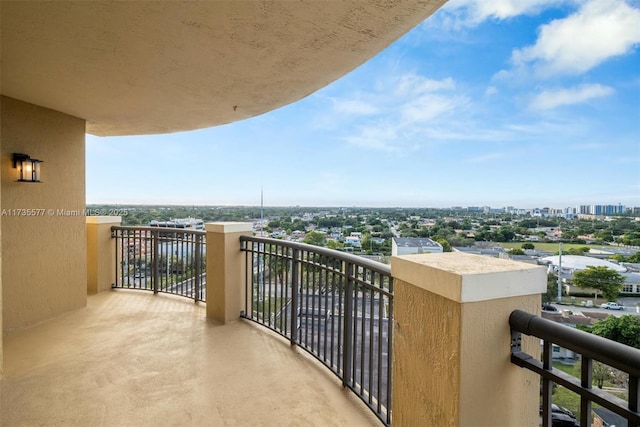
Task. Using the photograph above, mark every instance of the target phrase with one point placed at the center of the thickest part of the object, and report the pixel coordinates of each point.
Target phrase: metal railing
(336, 306)
(158, 259)
(591, 348)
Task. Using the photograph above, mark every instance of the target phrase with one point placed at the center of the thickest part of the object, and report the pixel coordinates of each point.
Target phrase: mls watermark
(41, 212)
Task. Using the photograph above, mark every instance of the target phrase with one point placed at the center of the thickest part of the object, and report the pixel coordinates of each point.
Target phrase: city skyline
(530, 105)
(579, 209)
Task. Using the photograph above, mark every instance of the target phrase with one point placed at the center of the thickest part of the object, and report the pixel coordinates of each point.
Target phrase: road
(186, 287)
(579, 309)
(320, 325)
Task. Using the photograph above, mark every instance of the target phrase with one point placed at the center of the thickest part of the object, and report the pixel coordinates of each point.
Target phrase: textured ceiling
(157, 67)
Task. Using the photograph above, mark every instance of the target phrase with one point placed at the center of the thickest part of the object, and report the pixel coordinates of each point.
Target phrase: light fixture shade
(36, 170)
(28, 168)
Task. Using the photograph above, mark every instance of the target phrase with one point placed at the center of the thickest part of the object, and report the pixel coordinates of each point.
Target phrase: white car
(612, 306)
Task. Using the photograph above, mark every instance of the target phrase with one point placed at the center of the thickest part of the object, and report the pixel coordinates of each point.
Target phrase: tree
(504, 234)
(298, 225)
(274, 223)
(624, 329)
(528, 246)
(609, 282)
(516, 251)
(315, 238)
(635, 257)
(459, 240)
(601, 373)
(604, 235)
(446, 247)
(552, 289)
(367, 244)
(577, 251)
(617, 257)
(334, 244)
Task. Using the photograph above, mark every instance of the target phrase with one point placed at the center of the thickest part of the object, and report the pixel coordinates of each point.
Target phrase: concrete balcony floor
(132, 358)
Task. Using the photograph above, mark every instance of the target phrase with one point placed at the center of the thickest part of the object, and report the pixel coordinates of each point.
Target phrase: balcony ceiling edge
(159, 67)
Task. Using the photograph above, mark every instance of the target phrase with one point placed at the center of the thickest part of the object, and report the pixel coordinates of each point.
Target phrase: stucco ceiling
(157, 67)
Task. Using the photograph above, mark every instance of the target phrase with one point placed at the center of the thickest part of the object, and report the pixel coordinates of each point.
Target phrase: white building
(410, 245)
(573, 263)
(353, 240)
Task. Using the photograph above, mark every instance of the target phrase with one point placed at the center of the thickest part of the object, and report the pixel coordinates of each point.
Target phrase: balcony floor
(132, 358)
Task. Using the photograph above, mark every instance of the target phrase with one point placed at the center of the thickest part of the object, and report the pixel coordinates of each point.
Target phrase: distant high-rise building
(601, 209)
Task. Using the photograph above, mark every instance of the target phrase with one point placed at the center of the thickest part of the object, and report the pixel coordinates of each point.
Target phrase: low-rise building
(411, 245)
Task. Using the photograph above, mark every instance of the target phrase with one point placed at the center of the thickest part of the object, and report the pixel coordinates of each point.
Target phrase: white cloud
(550, 99)
(412, 84)
(490, 91)
(418, 102)
(410, 103)
(458, 13)
(379, 136)
(598, 31)
(353, 106)
(429, 107)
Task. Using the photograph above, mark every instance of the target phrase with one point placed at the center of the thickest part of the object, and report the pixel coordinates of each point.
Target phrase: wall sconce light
(28, 168)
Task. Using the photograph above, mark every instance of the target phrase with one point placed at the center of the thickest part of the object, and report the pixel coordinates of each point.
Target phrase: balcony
(134, 358)
(131, 358)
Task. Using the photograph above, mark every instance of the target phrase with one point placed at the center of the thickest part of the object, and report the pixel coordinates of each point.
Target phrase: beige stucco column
(225, 270)
(451, 343)
(101, 253)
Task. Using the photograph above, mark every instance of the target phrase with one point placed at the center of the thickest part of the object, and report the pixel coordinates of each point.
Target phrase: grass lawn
(577, 301)
(570, 400)
(567, 399)
(551, 247)
(269, 305)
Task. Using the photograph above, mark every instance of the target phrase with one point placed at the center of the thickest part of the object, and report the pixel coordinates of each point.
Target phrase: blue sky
(525, 103)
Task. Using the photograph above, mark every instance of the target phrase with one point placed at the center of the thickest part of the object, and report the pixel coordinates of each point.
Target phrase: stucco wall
(429, 380)
(453, 369)
(225, 270)
(43, 256)
(489, 382)
(1, 340)
(451, 343)
(101, 253)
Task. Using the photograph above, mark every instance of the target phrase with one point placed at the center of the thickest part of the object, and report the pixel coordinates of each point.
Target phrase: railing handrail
(183, 274)
(609, 352)
(355, 340)
(161, 229)
(376, 266)
(591, 348)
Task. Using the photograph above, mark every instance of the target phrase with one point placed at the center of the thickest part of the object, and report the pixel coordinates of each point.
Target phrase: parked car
(559, 409)
(549, 307)
(558, 419)
(562, 410)
(612, 306)
(562, 417)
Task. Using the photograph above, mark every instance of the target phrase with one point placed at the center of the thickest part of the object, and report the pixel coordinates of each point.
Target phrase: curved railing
(591, 348)
(157, 259)
(336, 306)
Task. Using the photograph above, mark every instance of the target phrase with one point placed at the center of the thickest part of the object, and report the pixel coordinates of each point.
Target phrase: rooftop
(577, 262)
(418, 242)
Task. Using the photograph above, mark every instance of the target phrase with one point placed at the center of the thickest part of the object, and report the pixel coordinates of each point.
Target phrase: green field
(570, 400)
(551, 247)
